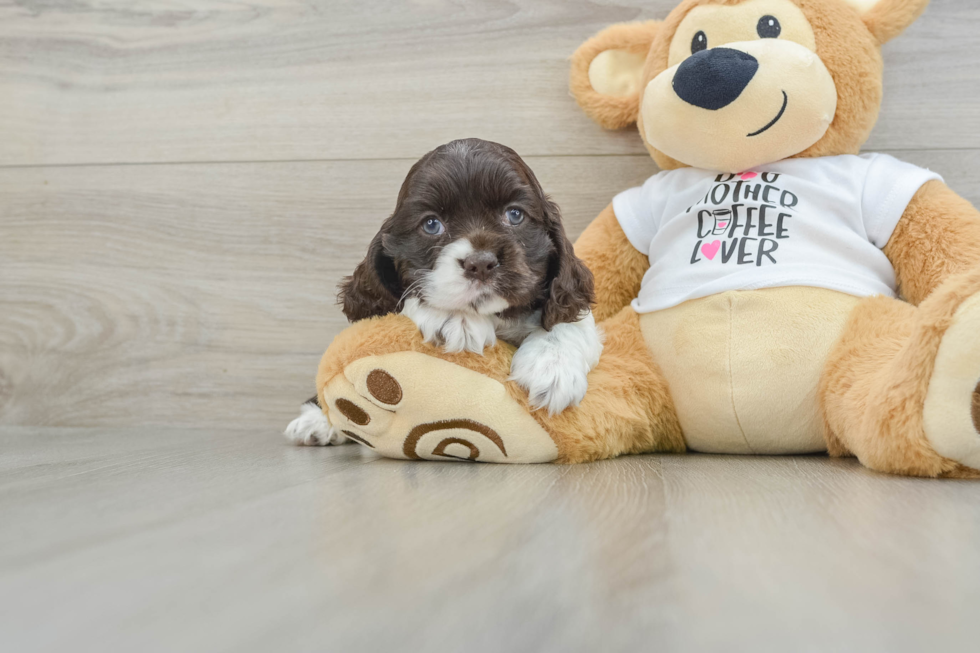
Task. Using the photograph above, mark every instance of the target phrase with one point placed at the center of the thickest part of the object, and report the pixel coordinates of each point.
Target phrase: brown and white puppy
(476, 251)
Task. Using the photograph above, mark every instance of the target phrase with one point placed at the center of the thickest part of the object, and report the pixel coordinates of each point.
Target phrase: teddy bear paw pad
(417, 407)
(976, 409)
(952, 408)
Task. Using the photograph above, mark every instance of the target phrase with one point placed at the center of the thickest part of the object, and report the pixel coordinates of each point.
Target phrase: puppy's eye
(515, 216)
(769, 27)
(699, 43)
(433, 227)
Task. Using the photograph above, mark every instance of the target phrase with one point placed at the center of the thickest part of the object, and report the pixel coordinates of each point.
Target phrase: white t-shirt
(801, 222)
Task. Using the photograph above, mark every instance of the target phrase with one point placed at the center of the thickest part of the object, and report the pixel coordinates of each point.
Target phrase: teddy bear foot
(951, 414)
(412, 406)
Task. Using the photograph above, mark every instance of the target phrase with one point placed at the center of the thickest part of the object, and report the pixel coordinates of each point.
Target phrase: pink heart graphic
(710, 250)
(748, 175)
(722, 225)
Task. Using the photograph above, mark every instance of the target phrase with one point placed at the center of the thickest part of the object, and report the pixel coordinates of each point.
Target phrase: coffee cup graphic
(723, 218)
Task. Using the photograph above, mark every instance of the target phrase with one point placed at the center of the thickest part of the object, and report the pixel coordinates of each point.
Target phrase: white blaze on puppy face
(786, 105)
(447, 288)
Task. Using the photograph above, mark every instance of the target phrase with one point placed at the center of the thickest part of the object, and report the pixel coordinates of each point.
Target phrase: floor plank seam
(603, 155)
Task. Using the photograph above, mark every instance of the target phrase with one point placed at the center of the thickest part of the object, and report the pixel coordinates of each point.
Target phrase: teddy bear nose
(713, 79)
(480, 265)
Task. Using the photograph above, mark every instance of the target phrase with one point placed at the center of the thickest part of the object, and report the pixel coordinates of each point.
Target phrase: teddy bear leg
(901, 390)
(387, 390)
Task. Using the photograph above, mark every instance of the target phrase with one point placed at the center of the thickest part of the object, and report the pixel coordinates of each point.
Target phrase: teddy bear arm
(938, 237)
(618, 267)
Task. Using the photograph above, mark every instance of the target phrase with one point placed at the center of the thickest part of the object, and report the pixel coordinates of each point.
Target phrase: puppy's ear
(888, 18)
(374, 289)
(571, 290)
(607, 72)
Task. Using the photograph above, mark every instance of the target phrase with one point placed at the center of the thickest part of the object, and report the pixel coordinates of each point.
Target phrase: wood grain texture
(165, 540)
(115, 81)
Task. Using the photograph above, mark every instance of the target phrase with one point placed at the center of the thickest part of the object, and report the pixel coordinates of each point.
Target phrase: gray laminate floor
(181, 540)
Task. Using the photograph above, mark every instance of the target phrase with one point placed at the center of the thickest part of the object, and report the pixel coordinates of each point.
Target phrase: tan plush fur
(938, 237)
(889, 18)
(853, 57)
(877, 378)
(610, 112)
(617, 265)
(744, 366)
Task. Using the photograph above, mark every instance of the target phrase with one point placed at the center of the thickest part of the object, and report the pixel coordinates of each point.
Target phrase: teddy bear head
(730, 85)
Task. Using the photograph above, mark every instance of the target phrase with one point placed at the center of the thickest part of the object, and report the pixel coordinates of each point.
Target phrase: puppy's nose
(479, 265)
(713, 79)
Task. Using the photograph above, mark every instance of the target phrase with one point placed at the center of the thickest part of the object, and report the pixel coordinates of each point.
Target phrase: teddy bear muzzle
(740, 106)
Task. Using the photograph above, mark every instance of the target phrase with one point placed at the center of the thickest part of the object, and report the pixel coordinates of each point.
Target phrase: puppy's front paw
(312, 429)
(551, 378)
(553, 366)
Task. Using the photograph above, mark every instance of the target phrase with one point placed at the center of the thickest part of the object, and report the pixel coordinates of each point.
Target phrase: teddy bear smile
(774, 120)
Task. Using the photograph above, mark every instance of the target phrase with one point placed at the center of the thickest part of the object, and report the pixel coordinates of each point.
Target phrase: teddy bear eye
(769, 27)
(699, 43)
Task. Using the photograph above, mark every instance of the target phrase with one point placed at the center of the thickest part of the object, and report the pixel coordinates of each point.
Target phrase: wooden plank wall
(183, 184)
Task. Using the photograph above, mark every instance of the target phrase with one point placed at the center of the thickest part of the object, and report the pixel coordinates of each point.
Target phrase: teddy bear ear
(888, 18)
(607, 72)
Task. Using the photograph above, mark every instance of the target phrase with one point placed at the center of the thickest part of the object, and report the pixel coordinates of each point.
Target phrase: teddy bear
(770, 291)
